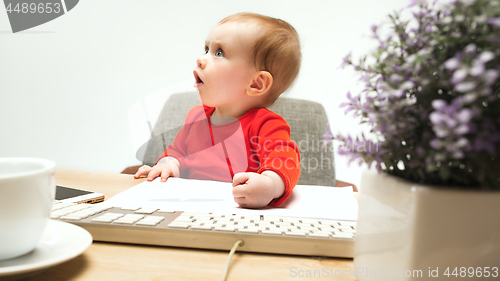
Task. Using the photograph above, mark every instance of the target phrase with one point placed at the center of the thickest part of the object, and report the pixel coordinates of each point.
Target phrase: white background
(66, 86)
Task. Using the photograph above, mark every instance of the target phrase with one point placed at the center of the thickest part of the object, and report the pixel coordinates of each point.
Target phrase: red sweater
(256, 142)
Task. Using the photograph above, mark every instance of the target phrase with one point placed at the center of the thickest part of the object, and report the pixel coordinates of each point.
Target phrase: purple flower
(450, 122)
(439, 105)
(345, 61)
(486, 56)
(395, 78)
(458, 76)
(426, 101)
(461, 142)
(491, 76)
(480, 144)
(327, 137)
(407, 85)
(458, 155)
(464, 115)
(477, 69)
(436, 144)
(415, 2)
(462, 130)
(436, 117)
(494, 21)
(452, 64)
(470, 49)
(397, 93)
(465, 86)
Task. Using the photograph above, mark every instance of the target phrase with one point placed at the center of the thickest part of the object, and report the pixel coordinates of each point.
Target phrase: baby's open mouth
(199, 82)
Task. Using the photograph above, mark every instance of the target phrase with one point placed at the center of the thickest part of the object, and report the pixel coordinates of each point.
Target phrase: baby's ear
(261, 83)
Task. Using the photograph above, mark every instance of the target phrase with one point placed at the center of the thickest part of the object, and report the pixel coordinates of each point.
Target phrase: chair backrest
(307, 120)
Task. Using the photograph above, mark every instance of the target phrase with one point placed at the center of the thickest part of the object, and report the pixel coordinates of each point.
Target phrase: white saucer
(60, 242)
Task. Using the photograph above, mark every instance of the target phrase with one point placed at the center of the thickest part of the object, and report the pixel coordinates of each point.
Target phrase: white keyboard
(260, 233)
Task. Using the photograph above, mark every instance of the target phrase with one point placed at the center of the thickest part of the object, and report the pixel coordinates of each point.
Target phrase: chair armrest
(131, 170)
(339, 183)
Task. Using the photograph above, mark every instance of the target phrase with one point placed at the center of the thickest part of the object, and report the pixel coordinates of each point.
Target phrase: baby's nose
(201, 62)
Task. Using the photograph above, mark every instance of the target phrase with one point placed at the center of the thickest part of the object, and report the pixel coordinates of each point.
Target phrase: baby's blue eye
(206, 51)
(219, 53)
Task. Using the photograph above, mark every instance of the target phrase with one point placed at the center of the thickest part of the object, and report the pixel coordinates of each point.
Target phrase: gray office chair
(307, 120)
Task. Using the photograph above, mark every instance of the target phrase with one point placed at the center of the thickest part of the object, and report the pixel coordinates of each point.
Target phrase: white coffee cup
(27, 190)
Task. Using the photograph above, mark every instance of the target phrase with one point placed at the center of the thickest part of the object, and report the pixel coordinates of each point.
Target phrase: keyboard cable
(226, 268)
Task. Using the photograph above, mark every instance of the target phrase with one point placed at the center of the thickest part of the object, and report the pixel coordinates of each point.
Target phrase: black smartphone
(73, 195)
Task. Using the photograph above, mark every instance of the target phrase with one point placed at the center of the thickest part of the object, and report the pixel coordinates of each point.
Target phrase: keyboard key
(346, 230)
(310, 221)
(71, 217)
(225, 229)
(248, 230)
(80, 214)
(309, 228)
(201, 227)
(342, 235)
(178, 225)
(238, 226)
(134, 216)
(272, 232)
(295, 232)
(146, 211)
(248, 224)
(328, 222)
(347, 223)
(272, 218)
(62, 205)
(159, 218)
(320, 235)
(103, 219)
(131, 208)
(147, 222)
(103, 207)
(204, 220)
(155, 219)
(113, 215)
(125, 221)
(165, 211)
(183, 220)
(301, 224)
(291, 220)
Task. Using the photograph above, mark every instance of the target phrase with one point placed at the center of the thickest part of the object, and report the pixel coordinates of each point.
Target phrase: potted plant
(432, 101)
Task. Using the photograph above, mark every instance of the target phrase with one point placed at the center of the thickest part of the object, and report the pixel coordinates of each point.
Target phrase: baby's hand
(252, 190)
(165, 168)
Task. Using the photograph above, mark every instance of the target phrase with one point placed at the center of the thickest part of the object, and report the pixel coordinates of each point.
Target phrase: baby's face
(226, 69)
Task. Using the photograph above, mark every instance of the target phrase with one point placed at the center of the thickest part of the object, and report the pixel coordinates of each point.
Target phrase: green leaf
(431, 168)
(444, 173)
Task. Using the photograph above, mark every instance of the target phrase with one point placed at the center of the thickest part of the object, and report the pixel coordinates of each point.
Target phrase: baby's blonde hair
(277, 50)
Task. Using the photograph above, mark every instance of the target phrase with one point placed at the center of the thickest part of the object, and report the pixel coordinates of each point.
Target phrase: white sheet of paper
(306, 201)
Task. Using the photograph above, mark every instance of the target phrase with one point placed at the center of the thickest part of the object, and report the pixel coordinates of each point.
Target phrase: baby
(249, 61)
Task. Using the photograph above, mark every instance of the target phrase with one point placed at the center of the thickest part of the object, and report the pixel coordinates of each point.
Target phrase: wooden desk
(112, 261)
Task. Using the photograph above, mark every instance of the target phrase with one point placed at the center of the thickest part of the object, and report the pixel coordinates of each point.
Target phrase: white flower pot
(409, 231)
